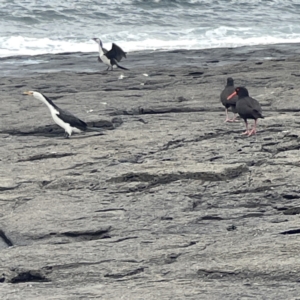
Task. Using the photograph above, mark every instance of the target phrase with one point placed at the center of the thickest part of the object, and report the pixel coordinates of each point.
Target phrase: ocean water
(36, 27)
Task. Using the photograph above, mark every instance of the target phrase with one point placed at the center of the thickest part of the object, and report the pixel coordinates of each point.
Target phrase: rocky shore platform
(169, 202)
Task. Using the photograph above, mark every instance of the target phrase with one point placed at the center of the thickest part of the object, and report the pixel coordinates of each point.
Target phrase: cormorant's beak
(95, 39)
(30, 93)
(232, 95)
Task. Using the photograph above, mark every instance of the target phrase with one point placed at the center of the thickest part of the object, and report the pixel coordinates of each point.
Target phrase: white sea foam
(39, 27)
(217, 38)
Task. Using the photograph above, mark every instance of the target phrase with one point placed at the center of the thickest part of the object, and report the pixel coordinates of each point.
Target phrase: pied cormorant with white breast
(61, 117)
(111, 57)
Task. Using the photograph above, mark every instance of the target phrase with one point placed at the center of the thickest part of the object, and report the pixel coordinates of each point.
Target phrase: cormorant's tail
(120, 67)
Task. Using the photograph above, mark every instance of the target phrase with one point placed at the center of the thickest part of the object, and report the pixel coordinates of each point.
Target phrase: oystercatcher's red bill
(232, 95)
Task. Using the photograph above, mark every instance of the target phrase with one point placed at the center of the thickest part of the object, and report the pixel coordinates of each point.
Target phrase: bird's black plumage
(111, 57)
(67, 117)
(231, 103)
(246, 106)
(228, 90)
(63, 118)
(115, 53)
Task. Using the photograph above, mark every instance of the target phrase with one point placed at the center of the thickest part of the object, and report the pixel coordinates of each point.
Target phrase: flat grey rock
(170, 202)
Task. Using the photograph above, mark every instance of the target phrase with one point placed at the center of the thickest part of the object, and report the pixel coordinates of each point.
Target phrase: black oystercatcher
(247, 108)
(229, 89)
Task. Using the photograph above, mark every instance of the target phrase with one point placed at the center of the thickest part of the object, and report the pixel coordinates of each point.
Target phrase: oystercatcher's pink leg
(234, 118)
(253, 130)
(227, 117)
(247, 129)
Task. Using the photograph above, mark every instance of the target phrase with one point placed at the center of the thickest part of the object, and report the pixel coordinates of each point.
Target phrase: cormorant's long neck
(48, 102)
(100, 50)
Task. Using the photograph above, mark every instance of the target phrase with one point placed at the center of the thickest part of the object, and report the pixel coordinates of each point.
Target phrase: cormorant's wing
(115, 52)
(69, 118)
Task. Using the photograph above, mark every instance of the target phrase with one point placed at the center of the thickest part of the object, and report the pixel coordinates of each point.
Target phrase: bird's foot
(228, 120)
(66, 135)
(246, 132)
(252, 132)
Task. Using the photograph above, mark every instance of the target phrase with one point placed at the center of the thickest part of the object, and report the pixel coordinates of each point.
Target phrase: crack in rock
(293, 231)
(85, 235)
(245, 274)
(70, 183)
(45, 156)
(161, 175)
(211, 218)
(277, 147)
(215, 274)
(161, 110)
(171, 258)
(20, 276)
(292, 211)
(125, 274)
(4, 237)
(7, 188)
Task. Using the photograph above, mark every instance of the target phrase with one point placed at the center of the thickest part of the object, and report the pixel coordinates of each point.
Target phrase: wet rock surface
(169, 202)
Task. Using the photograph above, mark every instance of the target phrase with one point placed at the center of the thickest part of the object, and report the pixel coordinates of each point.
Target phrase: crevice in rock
(125, 239)
(162, 110)
(277, 147)
(7, 188)
(210, 218)
(291, 211)
(174, 144)
(79, 165)
(189, 244)
(171, 258)
(167, 178)
(79, 236)
(291, 196)
(87, 235)
(231, 276)
(6, 240)
(71, 182)
(252, 215)
(50, 268)
(45, 156)
(197, 73)
(125, 274)
(26, 276)
(215, 274)
(259, 189)
(110, 209)
(207, 136)
(293, 231)
(74, 265)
